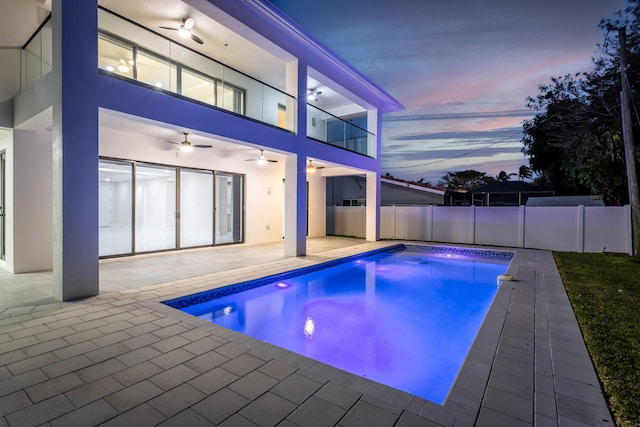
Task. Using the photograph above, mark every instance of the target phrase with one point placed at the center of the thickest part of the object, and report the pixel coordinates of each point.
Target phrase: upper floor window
(126, 59)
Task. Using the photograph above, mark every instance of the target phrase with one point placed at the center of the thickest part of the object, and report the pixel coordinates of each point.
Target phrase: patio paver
(123, 358)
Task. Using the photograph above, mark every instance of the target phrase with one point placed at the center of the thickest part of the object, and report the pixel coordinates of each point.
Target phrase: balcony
(37, 56)
(325, 127)
(129, 51)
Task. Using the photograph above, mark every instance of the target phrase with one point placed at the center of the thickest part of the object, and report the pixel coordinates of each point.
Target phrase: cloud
(511, 133)
(411, 158)
(457, 116)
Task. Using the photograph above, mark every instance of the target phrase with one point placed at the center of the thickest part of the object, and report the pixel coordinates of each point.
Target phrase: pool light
(309, 327)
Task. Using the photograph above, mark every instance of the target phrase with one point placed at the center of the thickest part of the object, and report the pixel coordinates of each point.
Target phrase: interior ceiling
(19, 19)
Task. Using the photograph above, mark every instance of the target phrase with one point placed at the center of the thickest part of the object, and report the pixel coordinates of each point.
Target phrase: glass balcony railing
(129, 50)
(37, 56)
(325, 127)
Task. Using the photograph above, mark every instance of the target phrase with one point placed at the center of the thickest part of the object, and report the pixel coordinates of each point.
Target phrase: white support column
(295, 197)
(375, 127)
(373, 207)
(75, 149)
(295, 183)
(32, 202)
(372, 231)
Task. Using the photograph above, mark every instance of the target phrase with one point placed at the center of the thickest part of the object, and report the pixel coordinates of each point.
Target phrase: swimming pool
(404, 317)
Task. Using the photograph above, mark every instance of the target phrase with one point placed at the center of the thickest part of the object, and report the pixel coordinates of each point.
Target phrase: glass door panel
(3, 177)
(156, 71)
(155, 222)
(228, 208)
(197, 86)
(115, 56)
(196, 208)
(115, 207)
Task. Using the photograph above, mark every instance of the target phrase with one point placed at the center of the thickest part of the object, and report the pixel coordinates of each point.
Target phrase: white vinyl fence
(558, 228)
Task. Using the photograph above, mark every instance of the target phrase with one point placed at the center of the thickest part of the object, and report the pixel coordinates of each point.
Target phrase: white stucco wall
(32, 201)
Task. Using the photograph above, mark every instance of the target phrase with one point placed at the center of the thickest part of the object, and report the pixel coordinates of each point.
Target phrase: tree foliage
(574, 142)
(524, 172)
(503, 176)
(471, 179)
(463, 180)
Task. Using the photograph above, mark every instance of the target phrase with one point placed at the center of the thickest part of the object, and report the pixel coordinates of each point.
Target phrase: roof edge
(413, 186)
(279, 18)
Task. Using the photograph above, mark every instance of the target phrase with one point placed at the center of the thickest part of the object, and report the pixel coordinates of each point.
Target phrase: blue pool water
(404, 318)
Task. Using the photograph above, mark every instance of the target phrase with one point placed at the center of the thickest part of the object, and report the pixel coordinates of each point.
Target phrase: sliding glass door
(155, 207)
(228, 208)
(115, 192)
(3, 177)
(196, 208)
(147, 208)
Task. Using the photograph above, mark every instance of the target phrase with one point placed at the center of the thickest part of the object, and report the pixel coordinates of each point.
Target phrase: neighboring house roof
(413, 185)
(509, 187)
(566, 201)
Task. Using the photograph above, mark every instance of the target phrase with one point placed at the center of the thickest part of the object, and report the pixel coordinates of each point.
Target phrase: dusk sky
(461, 68)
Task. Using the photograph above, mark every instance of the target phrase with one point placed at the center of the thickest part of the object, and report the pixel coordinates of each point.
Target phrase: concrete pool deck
(123, 358)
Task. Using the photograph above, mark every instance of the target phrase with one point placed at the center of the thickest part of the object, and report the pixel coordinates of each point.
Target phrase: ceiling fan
(187, 146)
(312, 94)
(261, 159)
(312, 168)
(185, 30)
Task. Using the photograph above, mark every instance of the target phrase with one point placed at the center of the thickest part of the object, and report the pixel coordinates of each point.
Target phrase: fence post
(629, 221)
(473, 224)
(430, 225)
(395, 223)
(521, 221)
(580, 242)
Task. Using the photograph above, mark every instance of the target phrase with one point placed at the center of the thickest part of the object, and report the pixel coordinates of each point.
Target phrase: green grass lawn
(605, 294)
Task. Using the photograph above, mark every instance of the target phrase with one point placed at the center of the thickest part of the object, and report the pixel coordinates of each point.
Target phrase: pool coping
(219, 292)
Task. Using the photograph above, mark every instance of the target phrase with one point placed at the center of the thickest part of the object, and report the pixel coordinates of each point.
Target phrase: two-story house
(131, 126)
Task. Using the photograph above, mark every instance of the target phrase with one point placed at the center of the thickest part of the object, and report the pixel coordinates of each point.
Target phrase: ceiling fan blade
(171, 142)
(168, 28)
(272, 161)
(202, 146)
(196, 39)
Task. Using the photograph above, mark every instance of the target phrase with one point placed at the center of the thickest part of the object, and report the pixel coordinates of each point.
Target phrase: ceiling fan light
(123, 68)
(184, 32)
(310, 167)
(185, 146)
(261, 160)
(189, 23)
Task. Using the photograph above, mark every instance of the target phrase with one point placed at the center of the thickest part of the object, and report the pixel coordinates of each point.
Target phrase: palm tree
(525, 172)
(503, 176)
